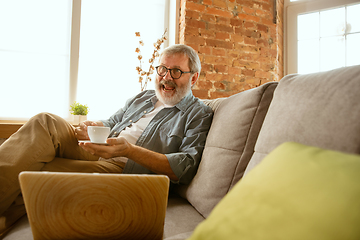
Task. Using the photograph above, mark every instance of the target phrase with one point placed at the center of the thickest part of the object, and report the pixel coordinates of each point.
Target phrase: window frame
(171, 23)
(292, 10)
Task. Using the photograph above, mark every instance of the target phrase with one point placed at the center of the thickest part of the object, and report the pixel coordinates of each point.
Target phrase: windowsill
(7, 129)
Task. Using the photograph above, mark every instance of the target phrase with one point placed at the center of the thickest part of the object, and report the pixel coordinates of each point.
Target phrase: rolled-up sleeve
(185, 162)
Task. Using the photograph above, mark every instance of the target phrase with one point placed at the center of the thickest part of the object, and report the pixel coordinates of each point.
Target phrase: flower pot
(78, 119)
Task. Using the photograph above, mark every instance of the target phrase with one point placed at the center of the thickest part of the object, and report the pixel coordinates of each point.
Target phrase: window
(53, 53)
(322, 35)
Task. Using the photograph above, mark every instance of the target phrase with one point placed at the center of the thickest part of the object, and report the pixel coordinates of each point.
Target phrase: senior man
(160, 132)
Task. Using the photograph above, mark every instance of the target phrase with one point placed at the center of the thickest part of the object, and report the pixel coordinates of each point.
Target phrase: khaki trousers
(45, 143)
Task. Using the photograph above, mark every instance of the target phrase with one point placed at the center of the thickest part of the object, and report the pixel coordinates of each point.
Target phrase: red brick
(249, 17)
(195, 40)
(201, 84)
(221, 27)
(220, 85)
(195, 6)
(194, 46)
(236, 22)
(216, 60)
(219, 3)
(208, 18)
(268, 22)
(222, 36)
(233, 31)
(262, 28)
(237, 38)
(219, 52)
(192, 31)
(235, 70)
(266, 7)
(201, 93)
(207, 67)
(207, 2)
(217, 94)
(263, 14)
(248, 72)
(219, 43)
(248, 10)
(213, 76)
(247, 3)
(249, 25)
(250, 33)
(221, 68)
(207, 33)
(261, 74)
(192, 14)
(218, 12)
(205, 50)
(262, 43)
(222, 20)
(250, 41)
(195, 23)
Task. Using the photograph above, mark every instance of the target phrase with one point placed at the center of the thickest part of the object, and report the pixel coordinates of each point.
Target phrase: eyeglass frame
(169, 69)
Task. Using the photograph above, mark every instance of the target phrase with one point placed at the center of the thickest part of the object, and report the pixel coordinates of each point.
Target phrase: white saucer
(101, 143)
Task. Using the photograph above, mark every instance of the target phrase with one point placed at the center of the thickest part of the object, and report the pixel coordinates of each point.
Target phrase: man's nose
(168, 75)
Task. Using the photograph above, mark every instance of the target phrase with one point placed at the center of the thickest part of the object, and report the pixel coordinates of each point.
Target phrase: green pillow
(296, 192)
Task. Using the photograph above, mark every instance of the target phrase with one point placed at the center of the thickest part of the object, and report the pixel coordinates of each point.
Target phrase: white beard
(179, 94)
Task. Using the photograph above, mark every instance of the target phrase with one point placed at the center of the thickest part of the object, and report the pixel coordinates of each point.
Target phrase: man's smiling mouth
(168, 86)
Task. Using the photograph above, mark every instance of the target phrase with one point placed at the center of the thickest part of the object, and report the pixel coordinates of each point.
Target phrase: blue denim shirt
(178, 132)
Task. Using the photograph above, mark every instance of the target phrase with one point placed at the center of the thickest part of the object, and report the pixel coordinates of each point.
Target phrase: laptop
(95, 206)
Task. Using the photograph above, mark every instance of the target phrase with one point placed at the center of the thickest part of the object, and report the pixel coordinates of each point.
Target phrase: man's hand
(117, 147)
(81, 131)
(120, 147)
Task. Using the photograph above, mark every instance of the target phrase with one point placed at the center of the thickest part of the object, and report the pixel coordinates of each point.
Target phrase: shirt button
(144, 111)
(130, 121)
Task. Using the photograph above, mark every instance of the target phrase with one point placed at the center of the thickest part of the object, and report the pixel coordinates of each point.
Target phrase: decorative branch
(144, 76)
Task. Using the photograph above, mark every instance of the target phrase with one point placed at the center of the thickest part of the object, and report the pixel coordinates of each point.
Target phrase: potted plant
(79, 112)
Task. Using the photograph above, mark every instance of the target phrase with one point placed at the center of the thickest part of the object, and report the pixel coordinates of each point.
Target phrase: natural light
(107, 63)
(35, 47)
(329, 39)
(34, 57)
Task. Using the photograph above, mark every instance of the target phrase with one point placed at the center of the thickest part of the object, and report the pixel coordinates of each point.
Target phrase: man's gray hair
(194, 60)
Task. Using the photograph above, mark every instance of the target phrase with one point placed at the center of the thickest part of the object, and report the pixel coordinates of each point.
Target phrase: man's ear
(194, 78)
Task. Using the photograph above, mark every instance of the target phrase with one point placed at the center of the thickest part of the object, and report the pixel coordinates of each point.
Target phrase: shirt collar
(182, 105)
(185, 102)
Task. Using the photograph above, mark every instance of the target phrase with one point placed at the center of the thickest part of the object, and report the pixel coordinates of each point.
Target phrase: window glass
(332, 53)
(308, 26)
(332, 22)
(34, 57)
(328, 39)
(35, 40)
(353, 49)
(307, 48)
(353, 18)
(107, 62)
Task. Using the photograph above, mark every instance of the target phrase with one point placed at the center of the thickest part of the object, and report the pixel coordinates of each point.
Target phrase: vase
(77, 119)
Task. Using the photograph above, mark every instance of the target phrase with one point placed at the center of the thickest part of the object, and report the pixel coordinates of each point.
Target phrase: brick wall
(239, 45)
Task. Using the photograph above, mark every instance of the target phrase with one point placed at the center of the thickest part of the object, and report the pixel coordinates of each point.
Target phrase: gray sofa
(321, 110)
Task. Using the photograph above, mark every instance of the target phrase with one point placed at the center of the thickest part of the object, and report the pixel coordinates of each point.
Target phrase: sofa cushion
(320, 109)
(229, 146)
(181, 219)
(296, 192)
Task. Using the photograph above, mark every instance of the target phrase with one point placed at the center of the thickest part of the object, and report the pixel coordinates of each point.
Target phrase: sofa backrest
(321, 110)
(229, 146)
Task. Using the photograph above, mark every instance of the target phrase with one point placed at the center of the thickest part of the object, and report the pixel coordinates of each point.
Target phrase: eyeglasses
(175, 73)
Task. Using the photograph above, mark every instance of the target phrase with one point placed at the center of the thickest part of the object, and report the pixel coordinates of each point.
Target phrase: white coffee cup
(98, 134)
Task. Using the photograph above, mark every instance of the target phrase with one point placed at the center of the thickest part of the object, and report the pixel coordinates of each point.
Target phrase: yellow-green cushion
(296, 192)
